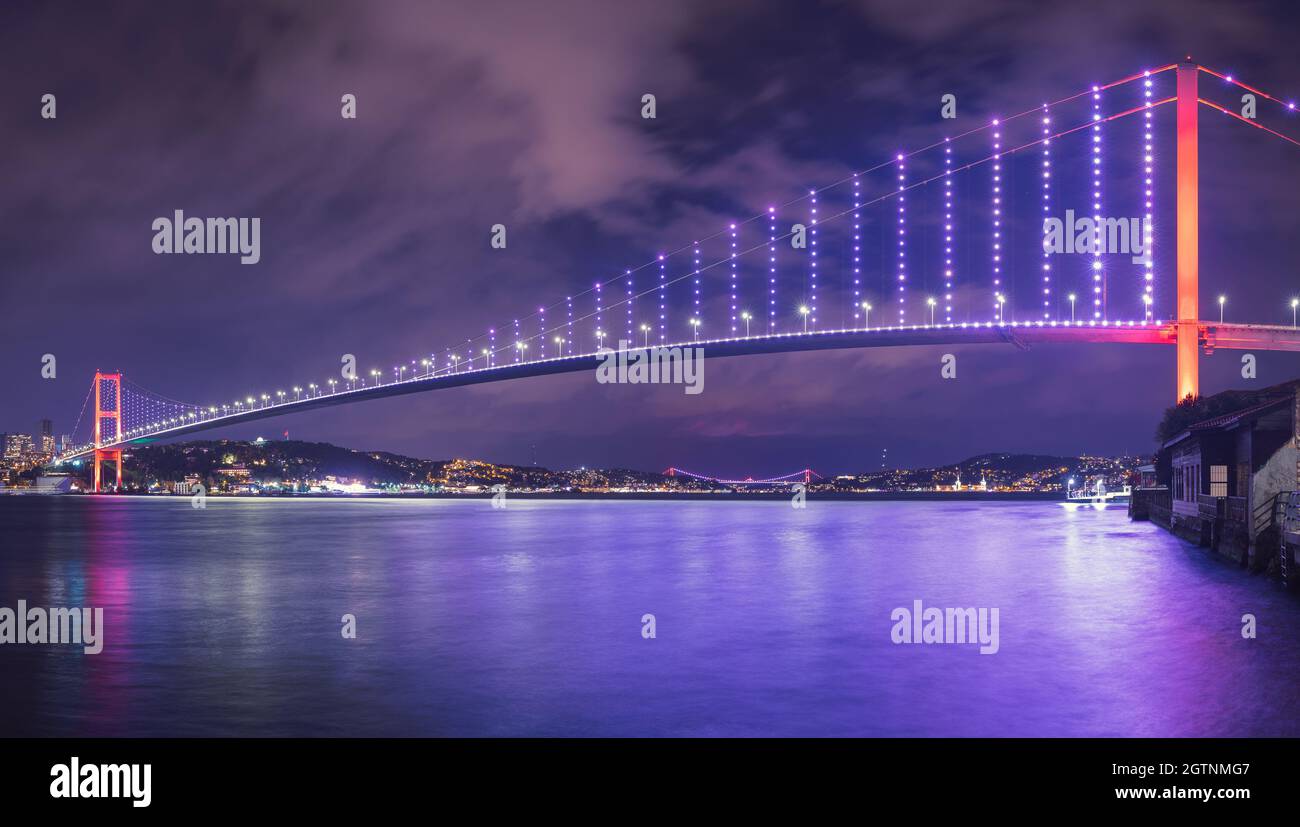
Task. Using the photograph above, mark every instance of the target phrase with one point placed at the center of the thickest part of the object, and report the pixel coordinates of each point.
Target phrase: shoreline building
(1225, 481)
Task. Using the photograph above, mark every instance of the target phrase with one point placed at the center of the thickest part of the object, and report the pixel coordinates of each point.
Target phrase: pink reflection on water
(108, 586)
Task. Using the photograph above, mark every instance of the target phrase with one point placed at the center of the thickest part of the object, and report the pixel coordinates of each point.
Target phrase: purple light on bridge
(996, 210)
(663, 300)
(902, 239)
(734, 279)
(631, 298)
(1098, 276)
(1148, 234)
(1047, 209)
(857, 247)
(771, 273)
(697, 281)
(947, 231)
(812, 260)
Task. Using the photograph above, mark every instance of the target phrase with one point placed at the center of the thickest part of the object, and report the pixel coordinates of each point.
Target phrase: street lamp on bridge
(645, 328)
(866, 315)
(930, 301)
(745, 315)
(804, 311)
(1072, 298)
(1294, 304)
(1001, 301)
(695, 323)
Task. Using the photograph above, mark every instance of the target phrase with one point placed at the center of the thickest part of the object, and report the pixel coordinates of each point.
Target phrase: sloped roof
(1225, 420)
(1235, 417)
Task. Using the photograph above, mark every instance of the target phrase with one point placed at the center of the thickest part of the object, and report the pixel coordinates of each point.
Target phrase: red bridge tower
(114, 433)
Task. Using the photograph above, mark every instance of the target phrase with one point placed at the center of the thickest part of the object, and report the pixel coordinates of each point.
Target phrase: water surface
(527, 620)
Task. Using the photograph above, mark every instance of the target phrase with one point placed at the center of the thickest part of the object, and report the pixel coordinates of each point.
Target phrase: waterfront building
(1228, 477)
(1147, 476)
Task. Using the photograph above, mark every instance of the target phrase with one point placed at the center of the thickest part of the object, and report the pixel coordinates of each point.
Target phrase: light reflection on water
(526, 621)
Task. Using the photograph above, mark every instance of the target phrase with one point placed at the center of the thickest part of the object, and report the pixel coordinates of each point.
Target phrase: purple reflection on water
(106, 563)
(527, 620)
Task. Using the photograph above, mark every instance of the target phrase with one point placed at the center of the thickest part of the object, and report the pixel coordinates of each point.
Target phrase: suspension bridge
(804, 476)
(942, 245)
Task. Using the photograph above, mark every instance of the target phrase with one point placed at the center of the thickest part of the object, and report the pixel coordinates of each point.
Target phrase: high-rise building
(18, 449)
(47, 438)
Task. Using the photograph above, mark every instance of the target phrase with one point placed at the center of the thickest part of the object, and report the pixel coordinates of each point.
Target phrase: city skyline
(297, 465)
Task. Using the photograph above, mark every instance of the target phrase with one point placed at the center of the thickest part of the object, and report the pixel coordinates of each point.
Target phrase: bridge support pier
(1188, 374)
(113, 455)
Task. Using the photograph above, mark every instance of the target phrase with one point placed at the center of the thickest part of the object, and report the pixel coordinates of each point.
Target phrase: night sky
(375, 231)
